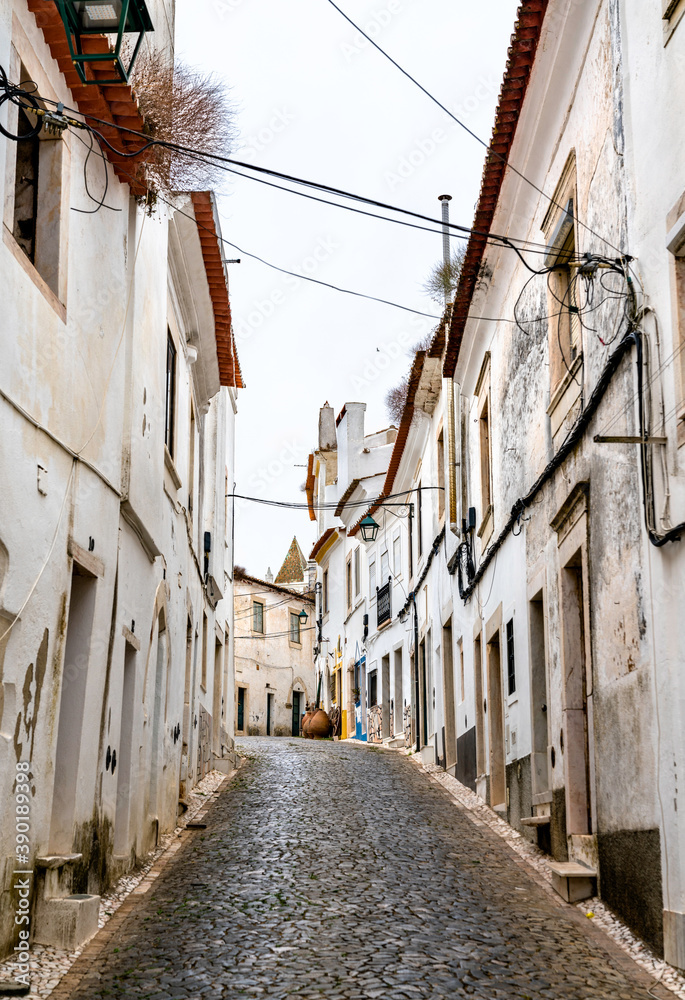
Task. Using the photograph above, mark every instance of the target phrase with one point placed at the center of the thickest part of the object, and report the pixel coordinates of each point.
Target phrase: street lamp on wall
(303, 616)
(103, 17)
(368, 529)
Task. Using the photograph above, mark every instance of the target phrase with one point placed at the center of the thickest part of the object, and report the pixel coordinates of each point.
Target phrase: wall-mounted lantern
(368, 529)
(303, 616)
(103, 17)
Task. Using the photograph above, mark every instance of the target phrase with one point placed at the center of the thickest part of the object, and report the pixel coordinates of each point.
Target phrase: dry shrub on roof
(442, 282)
(186, 107)
(396, 398)
(440, 285)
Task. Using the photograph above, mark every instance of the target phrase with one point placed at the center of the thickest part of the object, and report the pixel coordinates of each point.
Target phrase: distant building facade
(274, 666)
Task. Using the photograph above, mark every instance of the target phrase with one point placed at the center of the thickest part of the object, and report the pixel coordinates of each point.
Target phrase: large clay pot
(308, 716)
(320, 725)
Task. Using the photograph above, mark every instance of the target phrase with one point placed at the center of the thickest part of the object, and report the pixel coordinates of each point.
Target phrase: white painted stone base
(67, 921)
(674, 938)
(226, 765)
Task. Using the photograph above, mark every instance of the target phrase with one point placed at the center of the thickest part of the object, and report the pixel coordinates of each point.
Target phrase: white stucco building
(549, 406)
(117, 408)
(274, 663)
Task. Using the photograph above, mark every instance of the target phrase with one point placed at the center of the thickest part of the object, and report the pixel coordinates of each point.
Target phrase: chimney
(311, 576)
(327, 439)
(445, 200)
(350, 444)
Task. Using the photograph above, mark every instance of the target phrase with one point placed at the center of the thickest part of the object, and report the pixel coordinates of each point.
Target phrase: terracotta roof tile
(239, 575)
(229, 365)
(346, 496)
(321, 542)
(93, 99)
(309, 487)
(522, 51)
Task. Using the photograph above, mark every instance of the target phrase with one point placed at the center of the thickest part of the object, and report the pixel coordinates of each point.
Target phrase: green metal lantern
(368, 529)
(103, 17)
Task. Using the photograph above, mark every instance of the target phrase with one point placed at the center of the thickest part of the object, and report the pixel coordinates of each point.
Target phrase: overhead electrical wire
(461, 232)
(529, 246)
(275, 267)
(474, 135)
(295, 274)
(274, 635)
(332, 505)
(267, 607)
(462, 561)
(326, 284)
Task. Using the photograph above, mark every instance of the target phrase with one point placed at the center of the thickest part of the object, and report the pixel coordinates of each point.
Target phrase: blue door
(359, 733)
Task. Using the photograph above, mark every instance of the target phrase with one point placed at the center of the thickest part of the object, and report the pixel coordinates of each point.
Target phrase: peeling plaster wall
(655, 151)
(575, 102)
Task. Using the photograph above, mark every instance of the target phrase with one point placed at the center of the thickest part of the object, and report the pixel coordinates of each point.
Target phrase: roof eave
(520, 62)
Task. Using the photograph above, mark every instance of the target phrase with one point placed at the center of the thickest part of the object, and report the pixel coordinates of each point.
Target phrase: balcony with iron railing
(384, 603)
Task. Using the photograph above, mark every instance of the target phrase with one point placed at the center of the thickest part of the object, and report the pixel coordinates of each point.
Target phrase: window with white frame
(564, 329)
(675, 226)
(397, 554)
(441, 474)
(34, 213)
(482, 394)
(170, 395)
(385, 567)
(419, 522)
(258, 617)
(372, 578)
(295, 628)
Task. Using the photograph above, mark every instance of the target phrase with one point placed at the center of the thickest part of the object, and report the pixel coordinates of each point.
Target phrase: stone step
(573, 881)
(536, 821)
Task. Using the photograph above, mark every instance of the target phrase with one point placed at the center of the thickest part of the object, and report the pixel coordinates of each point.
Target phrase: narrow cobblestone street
(339, 871)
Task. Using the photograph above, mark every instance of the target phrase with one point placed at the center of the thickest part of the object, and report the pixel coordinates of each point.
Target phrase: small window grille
(511, 663)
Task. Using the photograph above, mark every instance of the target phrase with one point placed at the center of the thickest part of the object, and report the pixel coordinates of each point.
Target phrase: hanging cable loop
(23, 99)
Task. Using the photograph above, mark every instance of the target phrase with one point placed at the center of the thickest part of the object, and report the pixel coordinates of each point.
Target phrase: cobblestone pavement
(338, 871)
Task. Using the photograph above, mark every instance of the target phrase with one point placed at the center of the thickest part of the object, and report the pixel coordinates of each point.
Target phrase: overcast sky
(314, 99)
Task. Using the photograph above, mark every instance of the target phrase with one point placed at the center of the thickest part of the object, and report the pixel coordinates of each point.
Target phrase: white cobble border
(48, 965)
(594, 908)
